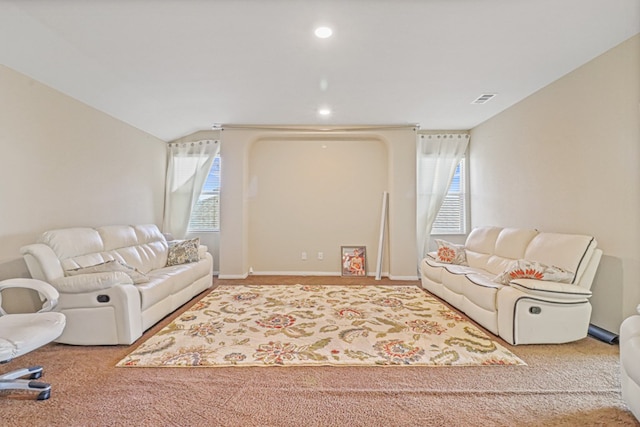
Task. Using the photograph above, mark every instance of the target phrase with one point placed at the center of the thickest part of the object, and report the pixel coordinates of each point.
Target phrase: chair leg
(33, 372)
(43, 389)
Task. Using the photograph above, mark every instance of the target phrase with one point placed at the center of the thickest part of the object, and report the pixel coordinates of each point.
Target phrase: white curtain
(187, 169)
(437, 156)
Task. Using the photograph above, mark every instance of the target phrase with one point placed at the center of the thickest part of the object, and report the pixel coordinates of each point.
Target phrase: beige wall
(64, 164)
(284, 194)
(567, 159)
(314, 195)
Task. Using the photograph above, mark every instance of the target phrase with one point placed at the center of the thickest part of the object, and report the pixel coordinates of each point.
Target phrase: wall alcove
(288, 191)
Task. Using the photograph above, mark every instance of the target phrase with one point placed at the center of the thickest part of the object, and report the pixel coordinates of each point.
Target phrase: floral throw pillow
(183, 251)
(450, 253)
(523, 269)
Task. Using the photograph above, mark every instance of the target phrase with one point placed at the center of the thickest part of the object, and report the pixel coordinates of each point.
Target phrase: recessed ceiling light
(323, 32)
(324, 112)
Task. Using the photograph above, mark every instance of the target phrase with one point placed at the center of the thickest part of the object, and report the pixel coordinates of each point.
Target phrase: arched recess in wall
(313, 194)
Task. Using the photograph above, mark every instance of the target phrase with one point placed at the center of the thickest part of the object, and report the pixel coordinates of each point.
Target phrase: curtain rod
(323, 129)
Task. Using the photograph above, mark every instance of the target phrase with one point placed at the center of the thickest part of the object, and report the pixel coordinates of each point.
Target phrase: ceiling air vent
(484, 98)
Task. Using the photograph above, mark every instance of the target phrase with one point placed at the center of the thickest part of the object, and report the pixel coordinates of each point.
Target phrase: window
(451, 218)
(206, 212)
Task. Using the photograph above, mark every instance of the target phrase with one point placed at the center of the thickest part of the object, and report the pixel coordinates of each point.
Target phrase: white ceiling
(172, 67)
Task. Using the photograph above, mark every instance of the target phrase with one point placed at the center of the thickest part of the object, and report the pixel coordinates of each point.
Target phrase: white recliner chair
(23, 332)
(630, 362)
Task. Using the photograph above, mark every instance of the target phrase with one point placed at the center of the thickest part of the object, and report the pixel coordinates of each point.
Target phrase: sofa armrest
(42, 262)
(202, 251)
(102, 317)
(630, 347)
(546, 288)
(82, 283)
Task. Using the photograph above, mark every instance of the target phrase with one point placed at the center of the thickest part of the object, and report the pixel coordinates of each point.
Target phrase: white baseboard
(306, 273)
(295, 273)
(233, 276)
(403, 277)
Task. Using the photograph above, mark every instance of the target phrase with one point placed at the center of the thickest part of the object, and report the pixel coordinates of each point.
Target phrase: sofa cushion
(481, 290)
(480, 245)
(169, 280)
(450, 253)
(71, 242)
(143, 257)
(153, 255)
(117, 236)
(434, 265)
(512, 242)
(91, 282)
(493, 248)
(137, 276)
(148, 233)
(87, 260)
(483, 239)
(567, 251)
(496, 264)
(461, 269)
(431, 268)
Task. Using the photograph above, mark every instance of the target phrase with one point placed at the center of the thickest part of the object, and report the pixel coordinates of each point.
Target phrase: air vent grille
(484, 98)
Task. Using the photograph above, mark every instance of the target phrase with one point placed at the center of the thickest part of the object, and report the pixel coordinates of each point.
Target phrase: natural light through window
(451, 218)
(206, 212)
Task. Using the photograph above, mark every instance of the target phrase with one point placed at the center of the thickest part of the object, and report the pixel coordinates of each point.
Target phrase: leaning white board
(383, 228)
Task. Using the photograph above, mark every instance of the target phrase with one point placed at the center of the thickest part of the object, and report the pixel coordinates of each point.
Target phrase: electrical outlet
(303, 256)
(320, 256)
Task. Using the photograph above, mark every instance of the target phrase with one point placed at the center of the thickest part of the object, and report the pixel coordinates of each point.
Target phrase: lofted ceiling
(173, 67)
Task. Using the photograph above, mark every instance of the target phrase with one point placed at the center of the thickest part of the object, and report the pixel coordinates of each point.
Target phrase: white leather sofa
(630, 362)
(106, 307)
(520, 310)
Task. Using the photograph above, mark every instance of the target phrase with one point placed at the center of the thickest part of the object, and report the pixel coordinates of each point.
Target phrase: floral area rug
(319, 325)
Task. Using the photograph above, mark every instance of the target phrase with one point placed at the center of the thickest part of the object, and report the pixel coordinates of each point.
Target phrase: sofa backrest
(569, 251)
(494, 248)
(140, 246)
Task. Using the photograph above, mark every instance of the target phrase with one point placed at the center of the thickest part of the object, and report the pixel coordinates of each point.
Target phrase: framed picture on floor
(354, 260)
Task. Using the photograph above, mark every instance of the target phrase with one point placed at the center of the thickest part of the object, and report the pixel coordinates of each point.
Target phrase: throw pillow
(136, 275)
(523, 269)
(183, 251)
(450, 253)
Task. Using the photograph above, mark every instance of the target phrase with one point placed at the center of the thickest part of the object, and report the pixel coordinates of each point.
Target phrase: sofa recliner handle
(103, 298)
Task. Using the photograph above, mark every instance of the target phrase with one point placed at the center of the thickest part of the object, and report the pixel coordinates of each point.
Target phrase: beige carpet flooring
(573, 384)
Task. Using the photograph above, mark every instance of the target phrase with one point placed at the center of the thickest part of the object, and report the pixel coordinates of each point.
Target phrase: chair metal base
(22, 379)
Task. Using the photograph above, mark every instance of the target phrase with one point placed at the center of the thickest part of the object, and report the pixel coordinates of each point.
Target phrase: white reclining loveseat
(630, 362)
(526, 286)
(117, 281)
